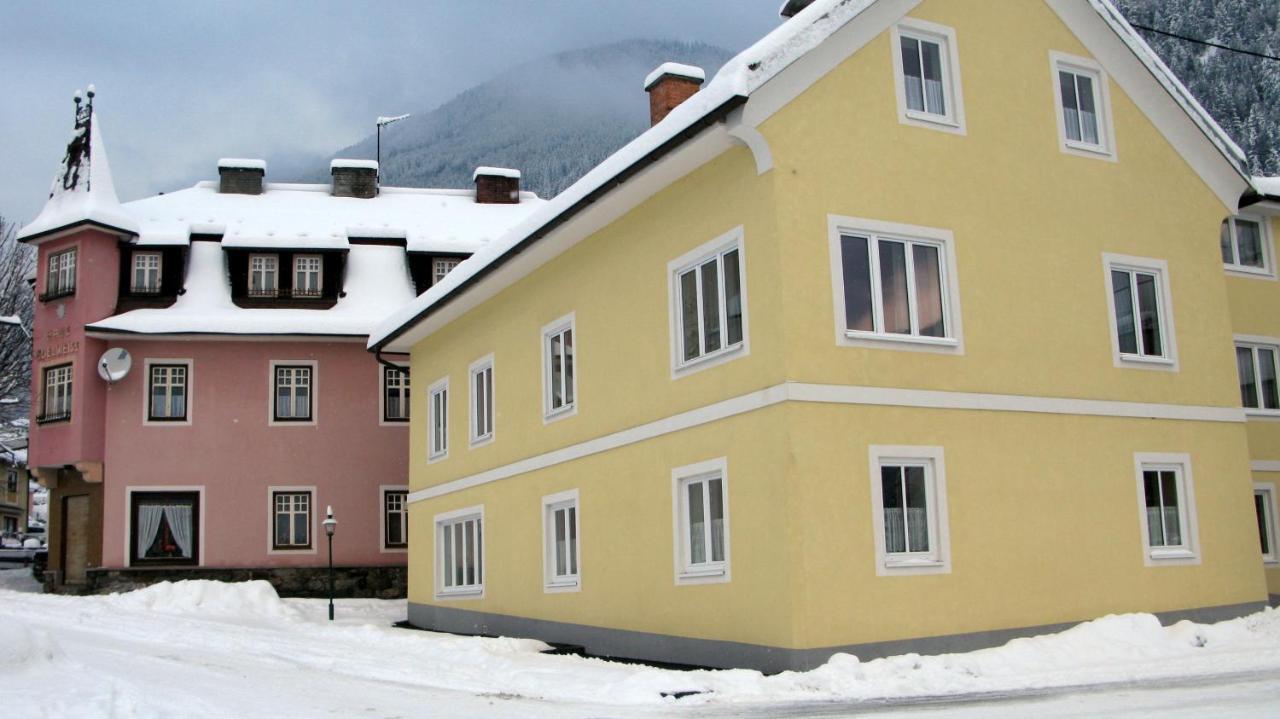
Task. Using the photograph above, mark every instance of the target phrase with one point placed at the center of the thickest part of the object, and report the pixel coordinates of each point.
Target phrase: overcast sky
(182, 84)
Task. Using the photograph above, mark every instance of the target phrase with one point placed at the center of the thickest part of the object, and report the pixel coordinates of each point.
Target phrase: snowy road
(204, 649)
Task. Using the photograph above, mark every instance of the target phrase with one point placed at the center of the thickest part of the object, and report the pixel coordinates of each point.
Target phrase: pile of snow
(243, 600)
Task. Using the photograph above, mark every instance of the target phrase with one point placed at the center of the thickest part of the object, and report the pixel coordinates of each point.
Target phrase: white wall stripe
(838, 394)
(1265, 465)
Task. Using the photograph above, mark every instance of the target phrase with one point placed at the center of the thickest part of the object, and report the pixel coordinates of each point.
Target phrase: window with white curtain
(560, 529)
(909, 510)
(294, 397)
(1257, 365)
(1141, 312)
(264, 278)
(164, 527)
(1167, 502)
(559, 389)
(926, 71)
(702, 522)
(438, 420)
(167, 392)
(145, 278)
(482, 404)
(1245, 245)
(1080, 89)
(56, 403)
(1264, 507)
(460, 552)
(308, 274)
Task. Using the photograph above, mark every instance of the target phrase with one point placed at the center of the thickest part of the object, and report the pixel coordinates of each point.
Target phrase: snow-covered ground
(207, 649)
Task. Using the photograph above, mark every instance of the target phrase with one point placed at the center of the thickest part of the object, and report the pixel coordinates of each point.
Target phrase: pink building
(250, 404)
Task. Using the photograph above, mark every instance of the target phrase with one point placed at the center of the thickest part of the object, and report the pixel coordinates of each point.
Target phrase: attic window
(307, 276)
(145, 278)
(263, 275)
(1083, 107)
(441, 268)
(927, 74)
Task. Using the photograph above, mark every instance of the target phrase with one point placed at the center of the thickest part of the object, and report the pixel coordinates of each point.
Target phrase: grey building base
(644, 646)
(348, 582)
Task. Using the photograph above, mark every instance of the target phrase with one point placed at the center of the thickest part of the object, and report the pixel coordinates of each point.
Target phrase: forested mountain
(553, 119)
(1241, 92)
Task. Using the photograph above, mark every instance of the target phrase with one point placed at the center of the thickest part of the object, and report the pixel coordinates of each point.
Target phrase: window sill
(1145, 362)
(911, 563)
(1250, 273)
(54, 419)
(889, 338)
(1258, 413)
(943, 123)
(1165, 555)
(57, 295)
(1085, 150)
(438, 457)
(468, 593)
(708, 361)
(561, 586)
(703, 576)
(477, 442)
(559, 414)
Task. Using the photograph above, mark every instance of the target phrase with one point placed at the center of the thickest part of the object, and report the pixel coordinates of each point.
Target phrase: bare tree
(17, 263)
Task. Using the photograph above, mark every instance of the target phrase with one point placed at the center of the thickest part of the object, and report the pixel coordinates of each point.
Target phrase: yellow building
(907, 331)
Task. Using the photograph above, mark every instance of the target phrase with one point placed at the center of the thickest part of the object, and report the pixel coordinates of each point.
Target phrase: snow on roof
(354, 164)
(240, 163)
(1269, 186)
(674, 68)
(294, 216)
(496, 172)
(78, 196)
(739, 77)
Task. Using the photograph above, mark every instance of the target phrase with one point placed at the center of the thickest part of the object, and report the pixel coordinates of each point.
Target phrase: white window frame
(554, 329)
(146, 394)
(1189, 551)
(134, 269)
(1270, 522)
(874, 230)
(383, 491)
(447, 264)
(731, 240)
(60, 277)
(318, 271)
(274, 269)
(1268, 270)
(271, 393)
(1106, 149)
(66, 372)
(953, 94)
(1254, 343)
(551, 504)
(406, 396)
(435, 452)
(478, 439)
(469, 591)
(1164, 303)
(708, 572)
(938, 559)
(271, 519)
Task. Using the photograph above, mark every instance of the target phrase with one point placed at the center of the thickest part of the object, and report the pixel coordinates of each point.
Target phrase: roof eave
(70, 227)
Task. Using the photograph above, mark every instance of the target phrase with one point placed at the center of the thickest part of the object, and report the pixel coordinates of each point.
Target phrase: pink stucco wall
(232, 451)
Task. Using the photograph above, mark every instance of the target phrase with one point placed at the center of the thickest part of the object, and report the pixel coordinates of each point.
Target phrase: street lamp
(381, 122)
(330, 524)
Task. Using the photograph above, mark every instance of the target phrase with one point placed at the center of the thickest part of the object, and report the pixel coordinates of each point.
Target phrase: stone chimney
(241, 177)
(354, 178)
(497, 185)
(669, 85)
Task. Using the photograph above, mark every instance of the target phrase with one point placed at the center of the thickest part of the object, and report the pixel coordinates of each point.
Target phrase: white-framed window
(1166, 500)
(482, 404)
(909, 510)
(395, 518)
(442, 266)
(1264, 507)
(1138, 298)
(700, 504)
(291, 520)
(438, 420)
(293, 392)
(60, 279)
(559, 369)
(308, 275)
(460, 552)
(56, 402)
(709, 304)
(145, 278)
(1256, 365)
(926, 64)
(264, 278)
(395, 394)
(560, 558)
(1083, 104)
(894, 285)
(1246, 245)
(168, 390)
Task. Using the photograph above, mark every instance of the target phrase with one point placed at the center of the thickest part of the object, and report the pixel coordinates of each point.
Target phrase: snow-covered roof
(83, 191)
(737, 80)
(1269, 186)
(354, 164)
(674, 68)
(496, 172)
(240, 163)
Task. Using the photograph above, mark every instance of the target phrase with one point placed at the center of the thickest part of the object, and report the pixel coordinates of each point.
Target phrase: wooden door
(75, 538)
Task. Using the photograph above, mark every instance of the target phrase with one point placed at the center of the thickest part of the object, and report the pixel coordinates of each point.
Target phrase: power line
(1206, 42)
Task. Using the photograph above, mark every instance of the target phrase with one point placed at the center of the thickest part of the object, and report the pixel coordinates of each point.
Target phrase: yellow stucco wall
(1044, 508)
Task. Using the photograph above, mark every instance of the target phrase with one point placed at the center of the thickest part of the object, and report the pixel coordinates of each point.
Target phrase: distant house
(908, 331)
(201, 390)
(15, 495)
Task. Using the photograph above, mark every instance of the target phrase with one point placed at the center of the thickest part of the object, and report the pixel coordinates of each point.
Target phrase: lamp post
(381, 122)
(330, 524)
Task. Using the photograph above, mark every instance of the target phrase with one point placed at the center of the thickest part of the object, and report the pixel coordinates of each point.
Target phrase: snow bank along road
(207, 649)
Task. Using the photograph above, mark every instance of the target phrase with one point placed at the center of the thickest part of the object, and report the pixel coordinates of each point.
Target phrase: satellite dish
(114, 364)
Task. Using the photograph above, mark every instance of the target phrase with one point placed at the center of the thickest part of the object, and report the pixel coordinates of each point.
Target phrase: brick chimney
(240, 177)
(497, 185)
(354, 178)
(669, 85)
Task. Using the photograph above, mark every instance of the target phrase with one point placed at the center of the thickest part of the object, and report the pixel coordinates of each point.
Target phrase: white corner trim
(271, 519)
(1189, 553)
(953, 120)
(1106, 150)
(717, 572)
(1164, 298)
(146, 391)
(936, 493)
(130, 490)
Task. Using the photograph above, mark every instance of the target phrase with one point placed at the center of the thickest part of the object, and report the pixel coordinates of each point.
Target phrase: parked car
(39, 563)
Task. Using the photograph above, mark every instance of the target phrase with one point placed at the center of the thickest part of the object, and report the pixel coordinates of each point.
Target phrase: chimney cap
(237, 163)
(483, 171)
(353, 165)
(674, 69)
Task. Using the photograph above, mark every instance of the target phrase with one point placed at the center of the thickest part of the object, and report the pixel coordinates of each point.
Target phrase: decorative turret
(82, 192)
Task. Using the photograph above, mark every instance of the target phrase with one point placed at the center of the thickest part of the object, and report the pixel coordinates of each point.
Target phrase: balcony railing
(54, 293)
(263, 292)
(145, 289)
(56, 415)
(305, 293)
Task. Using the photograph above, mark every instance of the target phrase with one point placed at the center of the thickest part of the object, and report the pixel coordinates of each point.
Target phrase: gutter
(712, 117)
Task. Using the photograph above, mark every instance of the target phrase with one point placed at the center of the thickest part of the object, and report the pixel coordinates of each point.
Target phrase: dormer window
(307, 275)
(61, 278)
(145, 278)
(442, 268)
(264, 275)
